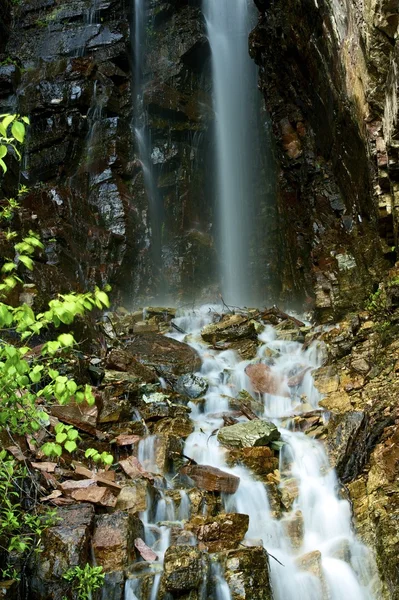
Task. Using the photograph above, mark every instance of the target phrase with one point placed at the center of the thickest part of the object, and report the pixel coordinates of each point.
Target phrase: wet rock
(259, 459)
(177, 426)
(216, 534)
(289, 492)
(113, 540)
(113, 588)
(184, 569)
(203, 502)
(164, 355)
(193, 386)
(246, 349)
(133, 497)
(311, 562)
(294, 528)
(95, 494)
(166, 452)
(265, 381)
(211, 478)
(156, 407)
(64, 546)
(244, 435)
(344, 434)
(119, 360)
(246, 571)
(338, 402)
(230, 328)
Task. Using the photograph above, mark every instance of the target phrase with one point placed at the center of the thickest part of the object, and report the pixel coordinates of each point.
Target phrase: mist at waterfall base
(327, 560)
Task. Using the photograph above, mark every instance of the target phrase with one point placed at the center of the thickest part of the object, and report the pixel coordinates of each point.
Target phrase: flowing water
(325, 561)
(142, 135)
(238, 143)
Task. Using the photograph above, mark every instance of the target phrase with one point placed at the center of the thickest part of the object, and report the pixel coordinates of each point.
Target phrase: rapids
(329, 562)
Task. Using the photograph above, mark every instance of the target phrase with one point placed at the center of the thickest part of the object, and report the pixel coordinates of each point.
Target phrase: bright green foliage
(96, 457)
(20, 531)
(12, 132)
(28, 381)
(85, 581)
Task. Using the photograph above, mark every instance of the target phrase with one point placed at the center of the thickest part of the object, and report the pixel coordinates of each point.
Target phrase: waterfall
(238, 148)
(143, 139)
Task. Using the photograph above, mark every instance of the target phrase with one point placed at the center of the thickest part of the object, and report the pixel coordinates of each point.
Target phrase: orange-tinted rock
(211, 478)
(265, 381)
(97, 495)
(260, 460)
(113, 540)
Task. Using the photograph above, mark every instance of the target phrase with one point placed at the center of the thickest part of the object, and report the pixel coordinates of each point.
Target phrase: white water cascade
(238, 147)
(326, 561)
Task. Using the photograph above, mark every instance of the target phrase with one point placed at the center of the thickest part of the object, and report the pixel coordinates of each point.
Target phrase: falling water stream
(142, 135)
(326, 561)
(238, 144)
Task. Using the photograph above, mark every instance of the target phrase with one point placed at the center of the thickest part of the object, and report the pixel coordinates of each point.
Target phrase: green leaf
(28, 262)
(60, 438)
(72, 434)
(71, 386)
(3, 165)
(26, 120)
(66, 339)
(7, 120)
(70, 446)
(35, 377)
(3, 151)
(103, 298)
(108, 459)
(8, 267)
(18, 131)
(53, 373)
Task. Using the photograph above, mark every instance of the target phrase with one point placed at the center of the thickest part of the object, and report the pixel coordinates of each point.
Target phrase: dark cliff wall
(324, 72)
(69, 66)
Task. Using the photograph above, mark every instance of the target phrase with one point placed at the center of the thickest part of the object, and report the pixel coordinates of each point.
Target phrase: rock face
(244, 435)
(71, 69)
(328, 73)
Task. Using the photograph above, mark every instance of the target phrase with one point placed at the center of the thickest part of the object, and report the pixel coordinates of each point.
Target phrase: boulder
(64, 546)
(120, 360)
(133, 497)
(230, 328)
(178, 426)
(294, 527)
(164, 355)
(113, 540)
(211, 479)
(260, 459)
(244, 435)
(193, 386)
(246, 571)
(184, 569)
(265, 381)
(216, 534)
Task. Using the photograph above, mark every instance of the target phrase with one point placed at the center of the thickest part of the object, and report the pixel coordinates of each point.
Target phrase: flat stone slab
(212, 479)
(247, 435)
